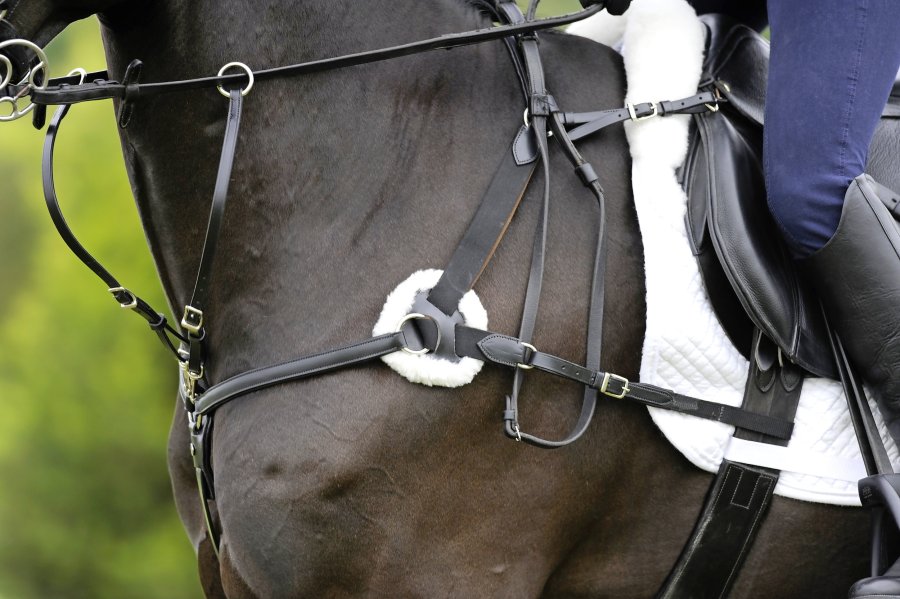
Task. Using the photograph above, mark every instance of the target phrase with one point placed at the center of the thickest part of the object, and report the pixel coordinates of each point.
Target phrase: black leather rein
(484, 233)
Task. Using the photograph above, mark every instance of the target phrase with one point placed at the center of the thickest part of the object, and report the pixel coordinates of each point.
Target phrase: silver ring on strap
(246, 69)
(417, 316)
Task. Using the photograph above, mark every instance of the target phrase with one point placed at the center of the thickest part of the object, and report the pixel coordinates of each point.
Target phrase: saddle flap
(748, 250)
(746, 269)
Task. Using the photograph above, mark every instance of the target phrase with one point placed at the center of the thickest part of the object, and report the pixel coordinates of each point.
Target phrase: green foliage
(552, 7)
(87, 392)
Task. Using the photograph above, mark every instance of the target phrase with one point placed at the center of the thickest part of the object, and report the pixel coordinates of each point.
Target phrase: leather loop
(132, 92)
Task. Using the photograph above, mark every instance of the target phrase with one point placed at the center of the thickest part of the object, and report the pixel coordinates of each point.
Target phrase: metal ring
(417, 316)
(241, 65)
(7, 70)
(78, 71)
(42, 63)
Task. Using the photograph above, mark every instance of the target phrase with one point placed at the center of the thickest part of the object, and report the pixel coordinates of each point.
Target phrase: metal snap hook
(417, 316)
(240, 65)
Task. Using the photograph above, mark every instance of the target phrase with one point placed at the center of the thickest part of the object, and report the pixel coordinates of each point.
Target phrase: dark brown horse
(359, 483)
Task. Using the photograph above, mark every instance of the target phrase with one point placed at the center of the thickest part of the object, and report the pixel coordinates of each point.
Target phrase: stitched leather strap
(736, 504)
(307, 366)
(511, 352)
(590, 122)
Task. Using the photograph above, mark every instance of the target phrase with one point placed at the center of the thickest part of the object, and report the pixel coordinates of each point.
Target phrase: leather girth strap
(740, 494)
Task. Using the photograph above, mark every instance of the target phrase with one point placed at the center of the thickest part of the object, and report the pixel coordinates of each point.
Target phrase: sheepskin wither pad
(428, 369)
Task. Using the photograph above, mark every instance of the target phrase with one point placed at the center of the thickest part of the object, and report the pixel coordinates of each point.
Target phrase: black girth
(529, 148)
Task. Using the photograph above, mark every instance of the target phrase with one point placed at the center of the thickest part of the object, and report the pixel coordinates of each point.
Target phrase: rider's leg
(832, 66)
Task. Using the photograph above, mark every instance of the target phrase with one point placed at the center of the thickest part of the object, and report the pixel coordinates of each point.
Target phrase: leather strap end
(132, 92)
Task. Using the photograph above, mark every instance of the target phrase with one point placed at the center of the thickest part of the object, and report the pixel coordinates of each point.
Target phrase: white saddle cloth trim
(794, 460)
(685, 347)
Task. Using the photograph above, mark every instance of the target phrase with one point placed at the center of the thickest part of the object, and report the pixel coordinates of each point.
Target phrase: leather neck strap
(98, 86)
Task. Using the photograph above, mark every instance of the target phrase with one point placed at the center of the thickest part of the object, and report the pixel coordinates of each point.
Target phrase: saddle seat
(746, 269)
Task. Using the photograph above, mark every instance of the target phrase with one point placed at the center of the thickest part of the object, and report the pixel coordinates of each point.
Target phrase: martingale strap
(193, 319)
(500, 350)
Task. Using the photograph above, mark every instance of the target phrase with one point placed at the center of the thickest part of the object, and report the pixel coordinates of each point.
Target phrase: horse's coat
(360, 483)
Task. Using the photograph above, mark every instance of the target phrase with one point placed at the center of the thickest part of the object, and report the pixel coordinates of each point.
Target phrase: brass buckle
(189, 381)
(192, 321)
(635, 117)
(604, 386)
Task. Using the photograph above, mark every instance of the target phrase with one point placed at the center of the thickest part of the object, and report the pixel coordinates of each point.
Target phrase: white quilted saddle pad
(685, 347)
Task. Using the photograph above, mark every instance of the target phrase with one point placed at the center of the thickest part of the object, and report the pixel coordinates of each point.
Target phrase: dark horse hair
(345, 182)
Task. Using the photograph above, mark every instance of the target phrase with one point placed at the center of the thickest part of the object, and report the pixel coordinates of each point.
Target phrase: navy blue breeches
(833, 63)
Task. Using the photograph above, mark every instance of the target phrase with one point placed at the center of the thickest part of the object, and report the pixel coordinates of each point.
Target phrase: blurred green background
(86, 392)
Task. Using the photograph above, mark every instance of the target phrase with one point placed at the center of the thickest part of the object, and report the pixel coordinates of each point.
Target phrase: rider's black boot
(857, 275)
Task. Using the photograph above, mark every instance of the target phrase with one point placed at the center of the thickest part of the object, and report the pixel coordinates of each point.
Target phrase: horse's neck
(331, 169)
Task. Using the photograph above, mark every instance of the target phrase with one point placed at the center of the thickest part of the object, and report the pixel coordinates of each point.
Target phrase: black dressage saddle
(748, 273)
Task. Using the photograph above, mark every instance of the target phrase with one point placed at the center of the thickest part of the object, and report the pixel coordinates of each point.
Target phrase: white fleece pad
(426, 368)
(685, 347)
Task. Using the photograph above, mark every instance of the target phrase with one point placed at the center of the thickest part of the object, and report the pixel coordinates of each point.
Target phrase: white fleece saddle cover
(685, 347)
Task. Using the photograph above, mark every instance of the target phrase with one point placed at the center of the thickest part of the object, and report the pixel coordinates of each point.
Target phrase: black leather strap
(485, 231)
(97, 85)
(871, 446)
(590, 122)
(511, 352)
(193, 319)
(219, 200)
(740, 495)
(126, 298)
(307, 366)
